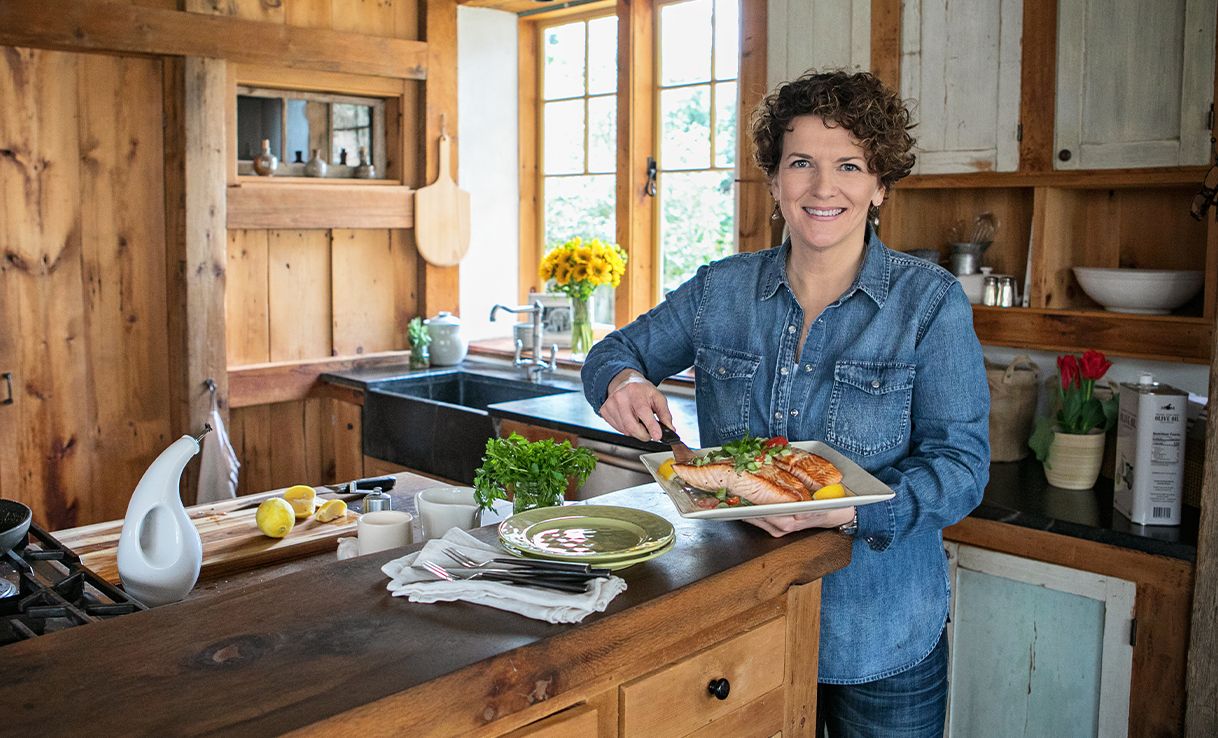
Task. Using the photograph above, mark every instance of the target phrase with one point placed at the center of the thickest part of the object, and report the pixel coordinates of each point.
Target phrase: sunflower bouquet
(578, 267)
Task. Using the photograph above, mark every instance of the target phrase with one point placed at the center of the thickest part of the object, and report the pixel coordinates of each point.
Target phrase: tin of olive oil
(1150, 452)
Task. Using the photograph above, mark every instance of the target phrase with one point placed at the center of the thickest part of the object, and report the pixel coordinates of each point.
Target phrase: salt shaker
(1006, 292)
(989, 290)
(377, 500)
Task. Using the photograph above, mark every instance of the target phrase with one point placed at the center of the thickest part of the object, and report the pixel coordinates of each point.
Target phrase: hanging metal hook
(210, 384)
(650, 187)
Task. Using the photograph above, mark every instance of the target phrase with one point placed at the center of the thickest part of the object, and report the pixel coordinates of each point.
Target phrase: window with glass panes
(697, 70)
(579, 135)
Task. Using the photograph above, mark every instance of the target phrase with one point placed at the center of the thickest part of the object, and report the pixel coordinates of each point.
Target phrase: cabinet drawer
(574, 722)
(675, 700)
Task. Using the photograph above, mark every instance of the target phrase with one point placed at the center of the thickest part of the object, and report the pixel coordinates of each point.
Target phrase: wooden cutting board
(441, 216)
(231, 539)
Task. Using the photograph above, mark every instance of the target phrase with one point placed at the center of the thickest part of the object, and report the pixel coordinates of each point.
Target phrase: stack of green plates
(605, 536)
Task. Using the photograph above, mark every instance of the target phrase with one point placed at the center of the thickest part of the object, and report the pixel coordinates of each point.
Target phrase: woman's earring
(776, 214)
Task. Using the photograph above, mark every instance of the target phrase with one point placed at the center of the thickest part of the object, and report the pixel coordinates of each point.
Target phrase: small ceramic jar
(448, 346)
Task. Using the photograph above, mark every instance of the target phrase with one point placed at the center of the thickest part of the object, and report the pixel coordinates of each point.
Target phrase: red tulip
(1067, 366)
(1093, 365)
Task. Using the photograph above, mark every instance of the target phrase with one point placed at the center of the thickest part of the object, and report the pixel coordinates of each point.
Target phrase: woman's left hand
(780, 525)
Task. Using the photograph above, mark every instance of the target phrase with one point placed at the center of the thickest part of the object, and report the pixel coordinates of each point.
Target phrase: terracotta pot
(1074, 460)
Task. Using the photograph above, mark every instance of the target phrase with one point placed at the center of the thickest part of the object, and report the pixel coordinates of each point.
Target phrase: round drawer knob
(719, 688)
(1064, 155)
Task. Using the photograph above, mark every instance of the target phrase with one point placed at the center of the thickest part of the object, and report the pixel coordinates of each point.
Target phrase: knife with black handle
(585, 570)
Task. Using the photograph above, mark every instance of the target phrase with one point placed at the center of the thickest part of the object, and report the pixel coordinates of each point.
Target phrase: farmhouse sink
(438, 423)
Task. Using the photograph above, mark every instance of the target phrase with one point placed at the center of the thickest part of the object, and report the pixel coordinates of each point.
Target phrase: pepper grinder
(377, 500)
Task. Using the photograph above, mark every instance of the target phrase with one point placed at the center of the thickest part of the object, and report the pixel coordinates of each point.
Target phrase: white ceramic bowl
(1145, 291)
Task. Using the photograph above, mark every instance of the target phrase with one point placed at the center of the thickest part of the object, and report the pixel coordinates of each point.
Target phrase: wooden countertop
(320, 644)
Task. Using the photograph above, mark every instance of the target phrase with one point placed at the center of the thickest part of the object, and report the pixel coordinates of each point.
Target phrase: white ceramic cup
(383, 530)
(442, 508)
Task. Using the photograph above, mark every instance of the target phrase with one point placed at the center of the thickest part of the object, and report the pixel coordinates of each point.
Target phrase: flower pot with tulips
(1071, 444)
(576, 268)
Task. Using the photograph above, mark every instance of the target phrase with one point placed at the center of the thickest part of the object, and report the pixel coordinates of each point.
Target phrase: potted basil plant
(530, 473)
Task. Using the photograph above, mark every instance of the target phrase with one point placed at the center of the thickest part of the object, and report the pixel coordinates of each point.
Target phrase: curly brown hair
(858, 101)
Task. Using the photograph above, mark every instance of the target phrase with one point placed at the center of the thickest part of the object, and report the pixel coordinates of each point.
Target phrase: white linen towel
(553, 606)
(219, 466)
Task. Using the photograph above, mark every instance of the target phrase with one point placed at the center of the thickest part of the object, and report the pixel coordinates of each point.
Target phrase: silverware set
(556, 575)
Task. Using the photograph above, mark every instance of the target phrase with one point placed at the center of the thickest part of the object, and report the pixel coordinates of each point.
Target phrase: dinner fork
(519, 579)
(535, 565)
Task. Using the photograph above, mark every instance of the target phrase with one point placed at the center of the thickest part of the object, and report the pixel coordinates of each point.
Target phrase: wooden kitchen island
(324, 649)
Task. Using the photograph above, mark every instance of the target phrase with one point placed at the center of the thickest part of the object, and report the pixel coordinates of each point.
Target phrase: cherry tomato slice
(732, 500)
(776, 442)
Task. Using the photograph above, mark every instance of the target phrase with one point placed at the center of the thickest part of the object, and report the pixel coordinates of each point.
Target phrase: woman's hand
(780, 525)
(634, 404)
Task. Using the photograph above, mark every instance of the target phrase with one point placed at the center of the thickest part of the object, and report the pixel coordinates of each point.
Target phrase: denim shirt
(891, 375)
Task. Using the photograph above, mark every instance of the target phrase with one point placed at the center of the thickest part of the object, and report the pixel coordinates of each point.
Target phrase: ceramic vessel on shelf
(365, 170)
(266, 163)
(1144, 291)
(1074, 459)
(317, 166)
(448, 346)
(159, 550)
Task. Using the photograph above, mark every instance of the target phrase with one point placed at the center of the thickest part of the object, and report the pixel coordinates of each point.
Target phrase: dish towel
(219, 466)
(540, 604)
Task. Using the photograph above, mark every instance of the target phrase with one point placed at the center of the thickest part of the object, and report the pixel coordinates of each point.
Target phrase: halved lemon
(331, 510)
(302, 498)
(275, 517)
(829, 492)
(666, 471)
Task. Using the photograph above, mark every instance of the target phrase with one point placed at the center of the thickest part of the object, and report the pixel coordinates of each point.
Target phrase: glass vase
(581, 327)
(420, 357)
(529, 496)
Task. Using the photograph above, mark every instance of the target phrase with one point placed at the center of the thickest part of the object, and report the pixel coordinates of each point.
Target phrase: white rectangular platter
(861, 488)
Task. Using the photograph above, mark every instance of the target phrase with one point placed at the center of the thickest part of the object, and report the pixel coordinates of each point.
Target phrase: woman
(833, 337)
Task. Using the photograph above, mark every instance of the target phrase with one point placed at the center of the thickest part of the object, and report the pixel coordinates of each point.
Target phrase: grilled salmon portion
(812, 470)
(766, 485)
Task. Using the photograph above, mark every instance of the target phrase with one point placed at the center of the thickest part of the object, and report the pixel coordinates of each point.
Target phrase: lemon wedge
(302, 498)
(829, 492)
(666, 471)
(331, 510)
(275, 517)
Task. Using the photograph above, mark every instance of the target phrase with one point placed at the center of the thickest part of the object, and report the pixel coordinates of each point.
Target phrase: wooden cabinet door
(816, 34)
(1134, 86)
(1036, 649)
(961, 63)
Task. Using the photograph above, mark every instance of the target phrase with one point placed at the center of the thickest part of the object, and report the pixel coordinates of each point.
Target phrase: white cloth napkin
(541, 604)
(219, 466)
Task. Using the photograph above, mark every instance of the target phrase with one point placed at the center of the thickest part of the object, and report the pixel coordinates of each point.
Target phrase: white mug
(384, 529)
(442, 508)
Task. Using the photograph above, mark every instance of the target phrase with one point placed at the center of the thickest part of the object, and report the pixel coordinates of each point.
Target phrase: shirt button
(875, 384)
(778, 416)
(807, 367)
(783, 371)
(790, 329)
(794, 413)
(722, 370)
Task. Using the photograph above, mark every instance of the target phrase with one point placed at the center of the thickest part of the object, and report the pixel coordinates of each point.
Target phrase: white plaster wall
(488, 164)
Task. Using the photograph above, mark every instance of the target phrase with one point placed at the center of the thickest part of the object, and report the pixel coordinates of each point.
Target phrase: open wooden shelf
(1160, 338)
(1102, 179)
(319, 204)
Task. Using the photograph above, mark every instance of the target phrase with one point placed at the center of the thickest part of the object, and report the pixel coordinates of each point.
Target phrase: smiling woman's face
(823, 187)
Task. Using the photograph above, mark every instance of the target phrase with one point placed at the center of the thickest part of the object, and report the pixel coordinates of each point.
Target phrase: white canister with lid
(448, 346)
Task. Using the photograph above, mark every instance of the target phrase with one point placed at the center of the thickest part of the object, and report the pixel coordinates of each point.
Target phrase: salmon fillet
(812, 470)
(766, 485)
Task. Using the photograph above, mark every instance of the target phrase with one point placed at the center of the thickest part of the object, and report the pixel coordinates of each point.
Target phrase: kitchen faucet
(534, 366)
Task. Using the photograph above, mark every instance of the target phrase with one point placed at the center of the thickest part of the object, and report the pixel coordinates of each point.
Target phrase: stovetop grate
(54, 590)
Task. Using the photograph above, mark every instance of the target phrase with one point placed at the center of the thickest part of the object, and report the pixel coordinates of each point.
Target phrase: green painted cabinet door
(1036, 649)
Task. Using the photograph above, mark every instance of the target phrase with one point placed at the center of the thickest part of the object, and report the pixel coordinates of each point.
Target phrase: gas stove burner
(7, 588)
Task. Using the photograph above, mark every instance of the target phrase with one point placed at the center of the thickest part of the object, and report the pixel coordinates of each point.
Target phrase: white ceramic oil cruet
(159, 551)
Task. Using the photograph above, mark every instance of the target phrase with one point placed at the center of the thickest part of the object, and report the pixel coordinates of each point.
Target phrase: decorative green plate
(591, 533)
(612, 564)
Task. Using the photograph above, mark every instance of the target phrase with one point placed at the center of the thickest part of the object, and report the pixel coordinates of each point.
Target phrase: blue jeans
(911, 704)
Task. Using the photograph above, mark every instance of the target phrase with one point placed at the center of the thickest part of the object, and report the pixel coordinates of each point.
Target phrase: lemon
(829, 491)
(666, 471)
(275, 517)
(302, 498)
(331, 510)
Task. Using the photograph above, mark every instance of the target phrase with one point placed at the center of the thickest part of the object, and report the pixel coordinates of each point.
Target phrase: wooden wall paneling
(406, 266)
(118, 28)
(1038, 80)
(249, 431)
(754, 203)
(635, 142)
(124, 258)
(247, 326)
(308, 13)
(342, 435)
(886, 41)
(439, 286)
(284, 381)
(1151, 228)
(257, 10)
(362, 292)
(299, 294)
(1058, 230)
(371, 17)
(529, 147)
(1202, 676)
(49, 422)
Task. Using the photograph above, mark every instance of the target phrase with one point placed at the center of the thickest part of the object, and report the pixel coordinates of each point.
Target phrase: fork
(680, 452)
(532, 566)
(495, 576)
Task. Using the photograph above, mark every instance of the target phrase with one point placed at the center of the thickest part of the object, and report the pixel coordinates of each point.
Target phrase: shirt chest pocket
(869, 408)
(725, 389)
